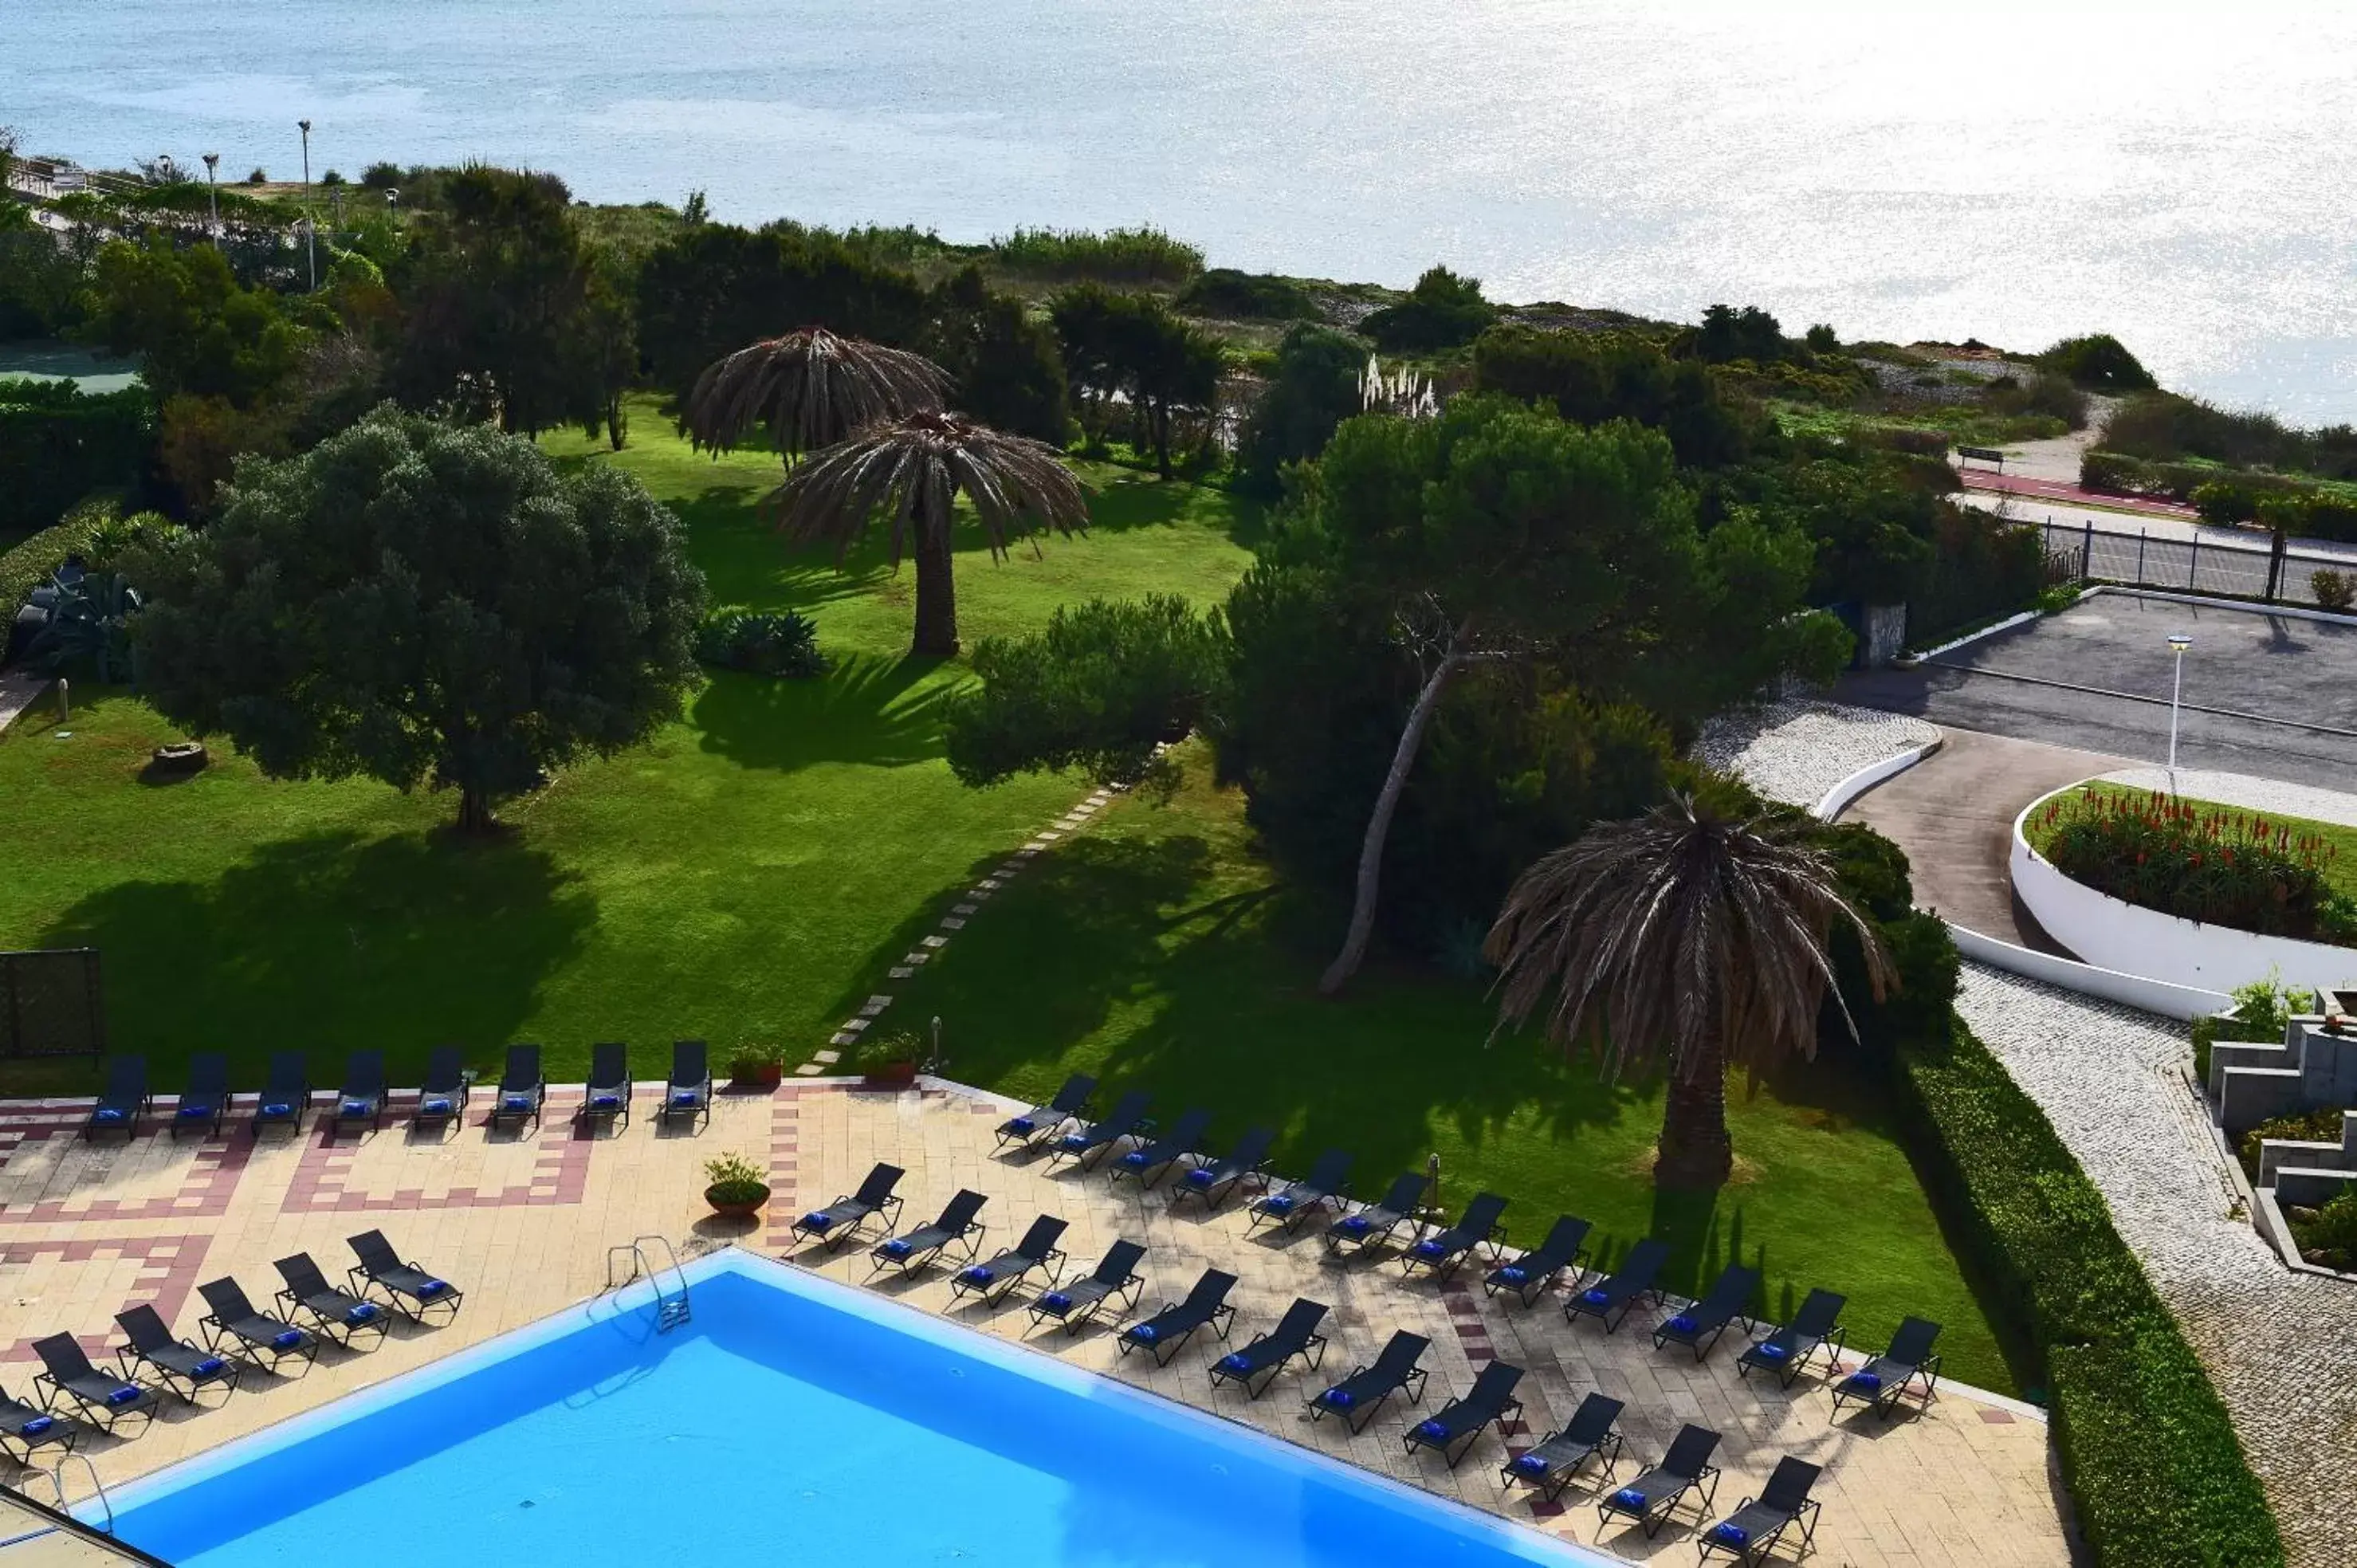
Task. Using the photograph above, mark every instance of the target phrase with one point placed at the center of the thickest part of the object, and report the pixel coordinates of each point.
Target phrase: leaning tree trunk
(1379, 822)
(937, 635)
(1694, 1153)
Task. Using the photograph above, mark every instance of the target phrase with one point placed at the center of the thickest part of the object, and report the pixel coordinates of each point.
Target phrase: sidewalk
(2057, 490)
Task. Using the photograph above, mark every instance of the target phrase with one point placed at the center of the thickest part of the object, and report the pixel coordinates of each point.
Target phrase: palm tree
(810, 388)
(1688, 938)
(912, 472)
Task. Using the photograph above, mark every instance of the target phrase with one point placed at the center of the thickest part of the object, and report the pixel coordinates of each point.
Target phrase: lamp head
(2178, 642)
(303, 125)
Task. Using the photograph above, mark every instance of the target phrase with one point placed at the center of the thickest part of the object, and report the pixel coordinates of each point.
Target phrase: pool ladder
(671, 1302)
(57, 1478)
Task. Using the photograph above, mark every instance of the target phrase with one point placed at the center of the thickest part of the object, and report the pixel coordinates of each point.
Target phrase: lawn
(1156, 949)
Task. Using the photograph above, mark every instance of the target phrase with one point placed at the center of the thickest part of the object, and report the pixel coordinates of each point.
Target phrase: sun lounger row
(446, 1095)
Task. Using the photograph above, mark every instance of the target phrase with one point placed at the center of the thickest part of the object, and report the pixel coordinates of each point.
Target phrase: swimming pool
(793, 1419)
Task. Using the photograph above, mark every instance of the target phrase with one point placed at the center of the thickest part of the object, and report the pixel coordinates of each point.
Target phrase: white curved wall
(2116, 935)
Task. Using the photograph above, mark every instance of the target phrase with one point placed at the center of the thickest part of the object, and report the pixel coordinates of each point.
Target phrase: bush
(2111, 473)
(1443, 311)
(733, 1178)
(2100, 363)
(59, 444)
(28, 565)
(1117, 255)
(2262, 1011)
(1249, 296)
(2198, 862)
(2328, 517)
(2322, 1127)
(2148, 1454)
(2327, 1237)
(2226, 500)
(2333, 590)
(760, 644)
(1312, 388)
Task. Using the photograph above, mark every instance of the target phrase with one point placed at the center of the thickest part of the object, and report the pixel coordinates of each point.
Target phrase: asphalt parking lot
(2273, 696)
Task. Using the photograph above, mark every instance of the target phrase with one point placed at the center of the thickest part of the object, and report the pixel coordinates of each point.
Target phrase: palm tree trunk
(937, 635)
(1379, 822)
(1695, 1152)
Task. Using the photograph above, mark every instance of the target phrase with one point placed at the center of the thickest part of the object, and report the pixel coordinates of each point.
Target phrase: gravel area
(2280, 1346)
(2242, 789)
(1795, 751)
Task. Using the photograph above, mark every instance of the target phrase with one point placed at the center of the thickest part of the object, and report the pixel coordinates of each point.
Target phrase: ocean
(2178, 175)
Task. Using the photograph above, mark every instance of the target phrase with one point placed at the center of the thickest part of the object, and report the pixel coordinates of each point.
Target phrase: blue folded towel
(1530, 1465)
(896, 1248)
(1146, 1334)
(684, 1097)
(277, 1108)
(359, 1108)
(110, 1114)
(124, 1395)
(1134, 1159)
(817, 1219)
(1234, 1362)
(1630, 1498)
(288, 1339)
(1202, 1175)
(1280, 1204)
(1597, 1297)
(432, 1287)
(1431, 1250)
(1074, 1141)
(37, 1425)
(515, 1102)
(605, 1102)
(1339, 1399)
(1354, 1224)
(196, 1112)
(363, 1312)
(1769, 1350)
(1514, 1274)
(1684, 1322)
(976, 1275)
(1022, 1124)
(436, 1106)
(1055, 1301)
(208, 1367)
(1864, 1382)
(1730, 1534)
(1432, 1432)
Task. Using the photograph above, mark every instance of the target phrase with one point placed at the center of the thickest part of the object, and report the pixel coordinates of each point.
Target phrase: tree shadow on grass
(326, 943)
(883, 712)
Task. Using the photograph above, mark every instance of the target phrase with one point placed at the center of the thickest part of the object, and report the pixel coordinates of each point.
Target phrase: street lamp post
(212, 198)
(2177, 644)
(310, 228)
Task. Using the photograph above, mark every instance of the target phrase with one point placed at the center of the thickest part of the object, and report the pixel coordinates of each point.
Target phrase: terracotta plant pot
(743, 1210)
(757, 1075)
(898, 1074)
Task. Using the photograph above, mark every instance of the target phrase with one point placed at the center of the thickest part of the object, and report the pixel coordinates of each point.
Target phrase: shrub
(1443, 311)
(2321, 1126)
(2327, 1237)
(2198, 862)
(2262, 1011)
(2329, 517)
(58, 444)
(1250, 296)
(2333, 590)
(2226, 500)
(381, 176)
(733, 1178)
(760, 644)
(2112, 473)
(2099, 362)
(1906, 438)
(1117, 255)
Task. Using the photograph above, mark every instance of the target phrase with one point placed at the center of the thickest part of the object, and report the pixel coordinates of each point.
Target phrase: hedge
(59, 444)
(2147, 1452)
(28, 565)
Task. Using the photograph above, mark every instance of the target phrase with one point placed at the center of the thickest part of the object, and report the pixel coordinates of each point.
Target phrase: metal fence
(51, 1004)
(2191, 565)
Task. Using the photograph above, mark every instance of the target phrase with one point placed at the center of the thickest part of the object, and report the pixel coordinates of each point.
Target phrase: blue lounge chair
(1441, 1253)
(1212, 1180)
(363, 1095)
(957, 1226)
(179, 1366)
(257, 1335)
(606, 1096)
(1148, 1163)
(339, 1314)
(1592, 1432)
(1376, 1221)
(1699, 1326)
(843, 1219)
(689, 1092)
(1816, 1327)
(412, 1291)
(1658, 1493)
(1075, 1305)
(1883, 1382)
(1749, 1534)
(123, 1102)
(1167, 1330)
(206, 1100)
(443, 1093)
(1610, 1299)
(1002, 1273)
(1328, 1185)
(1265, 1355)
(1536, 1272)
(1093, 1140)
(99, 1398)
(24, 1428)
(286, 1095)
(1358, 1397)
(1452, 1431)
(523, 1088)
(1041, 1123)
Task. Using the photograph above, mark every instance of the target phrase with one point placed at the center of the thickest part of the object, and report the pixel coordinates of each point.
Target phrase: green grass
(2339, 871)
(1962, 424)
(1156, 949)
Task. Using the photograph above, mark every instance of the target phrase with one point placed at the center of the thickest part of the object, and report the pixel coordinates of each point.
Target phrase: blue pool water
(794, 1421)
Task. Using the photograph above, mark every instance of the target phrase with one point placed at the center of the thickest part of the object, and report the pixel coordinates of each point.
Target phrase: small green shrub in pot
(760, 643)
(2335, 591)
(734, 1183)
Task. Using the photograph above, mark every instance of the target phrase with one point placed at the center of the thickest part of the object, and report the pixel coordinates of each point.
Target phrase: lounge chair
(408, 1289)
(443, 1093)
(181, 1367)
(1212, 1180)
(125, 1100)
(843, 1219)
(1610, 1299)
(1536, 1272)
(1098, 1136)
(1044, 1122)
(1492, 1398)
(1817, 1325)
(1358, 1397)
(1751, 1532)
(1699, 1325)
(957, 1226)
(100, 1398)
(206, 1100)
(257, 1334)
(339, 1314)
(1003, 1272)
(1376, 1221)
(1881, 1382)
(286, 1095)
(1148, 1163)
(1265, 1355)
(1167, 1330)
(1327, 1184)
(24, 1428)
(1079, 1303)
(1592, 1432)
(363, 1095)
(1658, 1493)
(606, 1095)
(688, 1093)
(523, 1088)
(1441, 1254)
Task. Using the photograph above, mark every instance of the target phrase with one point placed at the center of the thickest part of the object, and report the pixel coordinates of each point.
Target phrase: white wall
(2163, 997)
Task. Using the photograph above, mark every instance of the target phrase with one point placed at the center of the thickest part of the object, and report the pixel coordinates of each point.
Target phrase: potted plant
(737, 1187)
(753, 1068)
(892, 1059)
